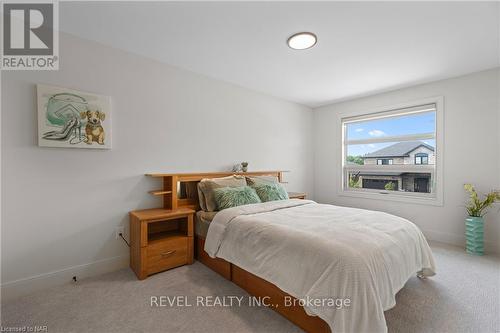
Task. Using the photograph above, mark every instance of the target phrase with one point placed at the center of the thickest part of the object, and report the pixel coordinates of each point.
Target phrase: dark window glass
(421, 158)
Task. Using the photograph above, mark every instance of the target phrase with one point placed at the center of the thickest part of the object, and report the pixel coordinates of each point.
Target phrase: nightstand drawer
(167, 254)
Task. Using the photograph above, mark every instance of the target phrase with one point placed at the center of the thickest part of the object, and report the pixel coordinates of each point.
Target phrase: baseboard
(458, 240)
(22, 287)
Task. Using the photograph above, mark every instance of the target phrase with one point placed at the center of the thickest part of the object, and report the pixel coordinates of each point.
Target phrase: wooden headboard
(180, 189)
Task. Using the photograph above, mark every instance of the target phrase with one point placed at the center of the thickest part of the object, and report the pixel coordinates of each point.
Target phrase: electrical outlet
(119, 230)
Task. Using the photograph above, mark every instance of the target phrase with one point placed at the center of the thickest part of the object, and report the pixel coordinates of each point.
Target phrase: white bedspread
(315, 251)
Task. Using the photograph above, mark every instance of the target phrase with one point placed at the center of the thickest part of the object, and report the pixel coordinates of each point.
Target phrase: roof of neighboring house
(399, 149)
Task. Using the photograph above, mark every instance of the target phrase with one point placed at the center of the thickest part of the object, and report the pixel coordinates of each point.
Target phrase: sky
(403, 125)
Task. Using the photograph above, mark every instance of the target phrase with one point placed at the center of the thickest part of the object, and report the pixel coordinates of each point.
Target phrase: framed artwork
(73, 119)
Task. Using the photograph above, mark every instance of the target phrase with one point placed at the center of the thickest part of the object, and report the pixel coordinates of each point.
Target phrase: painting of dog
(94, 130)
(73, 119)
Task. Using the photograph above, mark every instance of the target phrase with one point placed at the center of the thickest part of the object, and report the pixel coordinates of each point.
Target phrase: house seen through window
(392, 152)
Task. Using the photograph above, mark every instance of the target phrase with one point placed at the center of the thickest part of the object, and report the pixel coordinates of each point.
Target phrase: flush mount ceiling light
(302, 40)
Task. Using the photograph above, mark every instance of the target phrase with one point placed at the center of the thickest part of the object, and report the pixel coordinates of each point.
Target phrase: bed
(295, 251)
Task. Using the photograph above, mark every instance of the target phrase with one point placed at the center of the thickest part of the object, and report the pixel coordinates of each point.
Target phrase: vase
(474, 234)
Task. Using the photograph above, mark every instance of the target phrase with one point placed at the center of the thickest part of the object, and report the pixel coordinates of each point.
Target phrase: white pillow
(254, 180)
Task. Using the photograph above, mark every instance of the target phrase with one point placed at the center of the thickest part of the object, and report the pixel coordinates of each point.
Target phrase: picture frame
(70, 118)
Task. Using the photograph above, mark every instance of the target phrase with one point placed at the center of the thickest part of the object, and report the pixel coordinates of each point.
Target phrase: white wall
(61, 206)
(471, 154)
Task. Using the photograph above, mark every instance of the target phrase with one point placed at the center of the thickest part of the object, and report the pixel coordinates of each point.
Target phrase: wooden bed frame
(180, 190)
(258, 287)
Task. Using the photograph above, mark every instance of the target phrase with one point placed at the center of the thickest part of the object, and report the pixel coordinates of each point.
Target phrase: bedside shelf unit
(160, 239)
(160, 192)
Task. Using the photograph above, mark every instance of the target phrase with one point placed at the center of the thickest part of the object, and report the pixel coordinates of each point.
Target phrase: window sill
(412, 199)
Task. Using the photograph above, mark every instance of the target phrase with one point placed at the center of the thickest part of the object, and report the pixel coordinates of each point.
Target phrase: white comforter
(315, 251)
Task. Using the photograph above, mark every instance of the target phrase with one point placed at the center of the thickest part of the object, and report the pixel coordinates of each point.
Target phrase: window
(393, 154)
(384, 161)
(421, 158)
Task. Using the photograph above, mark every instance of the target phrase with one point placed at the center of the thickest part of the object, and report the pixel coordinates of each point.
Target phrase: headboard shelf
(216, 174)
(180, 189)
(160, 192)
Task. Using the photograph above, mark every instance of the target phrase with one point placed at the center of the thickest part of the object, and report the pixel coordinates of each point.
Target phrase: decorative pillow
(227, 197)
(270, 192)
(201, 198)
(207, 186)
(254, 180)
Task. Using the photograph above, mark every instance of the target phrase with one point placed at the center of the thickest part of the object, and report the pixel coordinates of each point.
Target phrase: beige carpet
(463, 297)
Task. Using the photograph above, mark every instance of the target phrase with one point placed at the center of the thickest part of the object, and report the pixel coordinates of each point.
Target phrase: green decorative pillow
(270, 192)
(227, 197)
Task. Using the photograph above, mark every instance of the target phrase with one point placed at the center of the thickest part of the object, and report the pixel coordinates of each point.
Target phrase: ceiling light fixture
(302, 40)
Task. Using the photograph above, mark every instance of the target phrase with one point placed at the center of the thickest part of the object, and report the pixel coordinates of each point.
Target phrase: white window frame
(435, 198)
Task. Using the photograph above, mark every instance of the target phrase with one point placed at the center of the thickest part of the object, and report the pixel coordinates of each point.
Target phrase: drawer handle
(168, 253)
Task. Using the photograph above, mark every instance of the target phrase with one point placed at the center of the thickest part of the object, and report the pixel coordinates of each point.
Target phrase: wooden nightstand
(296, 195)
(160, 239)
